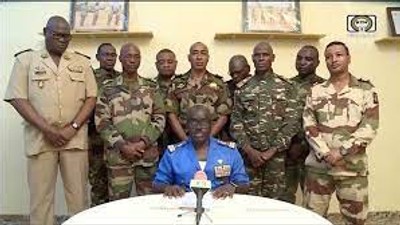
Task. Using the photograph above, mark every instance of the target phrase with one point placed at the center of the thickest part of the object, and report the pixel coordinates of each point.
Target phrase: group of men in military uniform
(135, 118)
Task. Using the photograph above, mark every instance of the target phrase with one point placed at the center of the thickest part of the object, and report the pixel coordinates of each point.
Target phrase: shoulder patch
(229, 144)
(26, 50)
(86, 56)
(375, 97)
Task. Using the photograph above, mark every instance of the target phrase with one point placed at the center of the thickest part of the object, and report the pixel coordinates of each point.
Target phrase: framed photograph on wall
(99, 15)
(271, 16)
(394, 20)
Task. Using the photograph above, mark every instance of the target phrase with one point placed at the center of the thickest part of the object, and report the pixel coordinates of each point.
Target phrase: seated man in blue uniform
(221, 161)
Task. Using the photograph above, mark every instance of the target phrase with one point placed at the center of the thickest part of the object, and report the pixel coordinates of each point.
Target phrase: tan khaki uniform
(57, 94)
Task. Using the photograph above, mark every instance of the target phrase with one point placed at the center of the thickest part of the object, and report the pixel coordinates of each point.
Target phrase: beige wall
(176, 26)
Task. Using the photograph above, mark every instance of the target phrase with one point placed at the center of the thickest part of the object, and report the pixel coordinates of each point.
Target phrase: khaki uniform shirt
(57, 94)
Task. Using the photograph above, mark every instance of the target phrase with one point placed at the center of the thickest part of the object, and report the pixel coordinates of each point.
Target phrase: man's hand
(226, 190)
(138, 145)
(174, 191)
(357, 149)
(54, 136)
(68, 132)
(334, 158)
(132, 151)
(254, 156)
(267, 155)
(295, 151)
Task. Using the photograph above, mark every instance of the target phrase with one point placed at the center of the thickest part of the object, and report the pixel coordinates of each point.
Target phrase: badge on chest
(222, 170)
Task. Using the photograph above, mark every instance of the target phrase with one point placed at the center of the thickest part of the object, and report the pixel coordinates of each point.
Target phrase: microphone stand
(199, 207)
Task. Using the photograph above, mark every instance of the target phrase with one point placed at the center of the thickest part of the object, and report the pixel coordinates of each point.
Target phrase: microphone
(199, 185)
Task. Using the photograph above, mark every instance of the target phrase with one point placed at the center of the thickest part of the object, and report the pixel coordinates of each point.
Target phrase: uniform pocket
(41, 81)
(250, 103)
(354, 112)
(77, 76)
(279, 108)
(78, 84)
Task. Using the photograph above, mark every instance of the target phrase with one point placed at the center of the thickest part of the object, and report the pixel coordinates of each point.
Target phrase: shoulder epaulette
(320, 79)
(110, 89)
(365, 81)
(284, 79)
(149, 82)
(26, 50)
(86, 56)
(218, 76)
(229, 144)
(172, 148)
(108, 82)
(243, 82)
(95, 70)
(180, 76)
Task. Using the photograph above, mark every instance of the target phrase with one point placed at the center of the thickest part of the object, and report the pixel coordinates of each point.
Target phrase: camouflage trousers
(269, 179)
(295, 175)
(97, 171)
(122, 173)
(98, 180)
(351, 192)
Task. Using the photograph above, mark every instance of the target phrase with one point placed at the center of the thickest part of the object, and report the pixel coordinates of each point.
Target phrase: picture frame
(271, 16)
(393, 14)
(91, 16)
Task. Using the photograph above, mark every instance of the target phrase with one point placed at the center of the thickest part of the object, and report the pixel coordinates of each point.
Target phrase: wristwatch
(233, 184)
(75, 125)
(343, 151)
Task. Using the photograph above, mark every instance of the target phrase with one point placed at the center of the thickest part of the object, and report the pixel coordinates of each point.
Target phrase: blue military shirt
(179, 164)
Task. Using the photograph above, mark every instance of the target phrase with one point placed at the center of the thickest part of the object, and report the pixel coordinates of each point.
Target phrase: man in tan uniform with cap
(54, 90)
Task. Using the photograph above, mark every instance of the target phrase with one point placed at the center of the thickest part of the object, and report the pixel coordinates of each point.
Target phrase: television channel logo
(361, 23)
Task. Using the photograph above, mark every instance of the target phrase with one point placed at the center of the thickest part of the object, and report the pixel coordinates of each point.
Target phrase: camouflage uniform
(295, 173)
(97, 166)
(344, 120)
(213, 93)
(132, 110)
(226, 136)
(168, 136)
(266, 115)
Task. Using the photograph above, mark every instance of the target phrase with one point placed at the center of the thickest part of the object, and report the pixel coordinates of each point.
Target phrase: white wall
(176, 26)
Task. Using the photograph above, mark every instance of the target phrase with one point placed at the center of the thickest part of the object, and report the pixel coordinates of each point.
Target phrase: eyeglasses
(108, 54)
(199, 124)
(58, 36)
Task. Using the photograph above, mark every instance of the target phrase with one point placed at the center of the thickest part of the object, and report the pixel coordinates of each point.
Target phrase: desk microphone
(199, 185)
